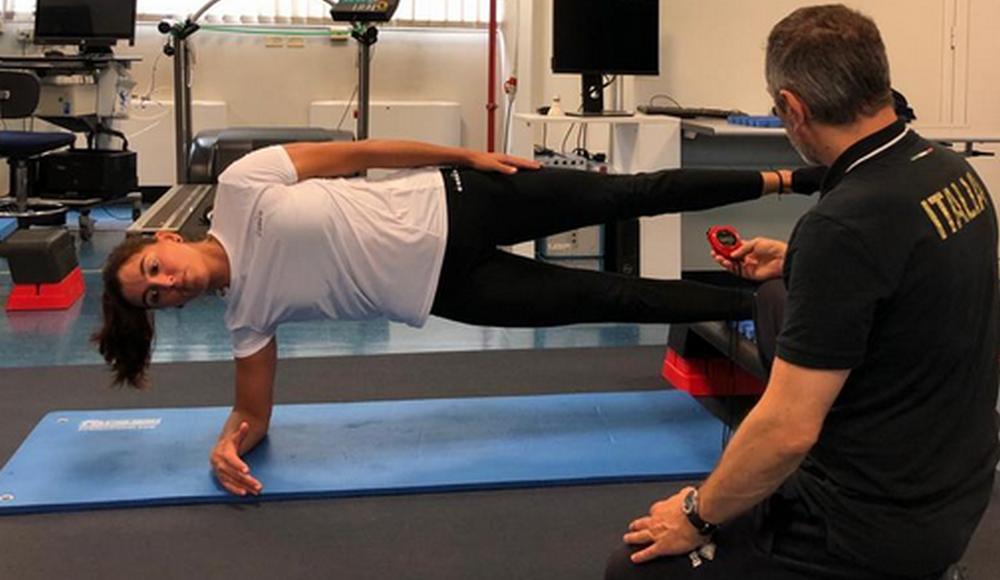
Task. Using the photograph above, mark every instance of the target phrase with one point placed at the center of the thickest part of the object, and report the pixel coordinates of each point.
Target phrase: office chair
(19, 94)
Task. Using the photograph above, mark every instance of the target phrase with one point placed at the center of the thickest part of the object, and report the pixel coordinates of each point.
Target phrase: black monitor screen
(83, 21)
(606, 36)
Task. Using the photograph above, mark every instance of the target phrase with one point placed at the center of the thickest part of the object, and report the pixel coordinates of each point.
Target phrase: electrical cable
(152, 81)
(730, 391)
(354, 93)
(513, 7)
(508, 119)
(145, 105)
(510, 94)
(156, 121)
(664, 96)
(569, 131)
(347, 109)
(734, 338)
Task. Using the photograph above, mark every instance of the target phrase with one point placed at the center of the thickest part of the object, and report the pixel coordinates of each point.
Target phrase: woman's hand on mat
(666, 530)
(500, 162)
(757, 259)
(231, 471)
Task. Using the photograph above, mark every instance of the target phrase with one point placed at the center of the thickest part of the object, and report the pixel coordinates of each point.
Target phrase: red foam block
(709, 376)
(57, 296)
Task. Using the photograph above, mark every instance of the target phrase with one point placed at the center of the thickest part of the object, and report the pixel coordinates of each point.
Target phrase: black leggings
(481, 284)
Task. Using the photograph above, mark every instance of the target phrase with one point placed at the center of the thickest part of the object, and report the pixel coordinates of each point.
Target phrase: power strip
(564, 161)
(581, 248)
(561, 160)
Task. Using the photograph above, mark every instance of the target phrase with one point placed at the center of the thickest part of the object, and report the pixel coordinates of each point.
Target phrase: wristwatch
(690, 509)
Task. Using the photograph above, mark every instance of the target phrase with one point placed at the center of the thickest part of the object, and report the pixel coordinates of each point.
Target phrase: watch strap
(703, 528)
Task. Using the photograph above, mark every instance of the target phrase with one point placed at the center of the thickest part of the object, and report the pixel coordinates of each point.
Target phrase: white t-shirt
(348, 249)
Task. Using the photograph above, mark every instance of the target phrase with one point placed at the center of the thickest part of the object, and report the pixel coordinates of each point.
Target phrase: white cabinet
(636, 144)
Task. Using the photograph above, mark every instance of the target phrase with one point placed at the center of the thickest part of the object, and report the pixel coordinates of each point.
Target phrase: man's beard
(805, 152)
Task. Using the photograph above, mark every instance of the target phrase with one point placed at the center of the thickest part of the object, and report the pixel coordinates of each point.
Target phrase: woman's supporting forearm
(258, 429)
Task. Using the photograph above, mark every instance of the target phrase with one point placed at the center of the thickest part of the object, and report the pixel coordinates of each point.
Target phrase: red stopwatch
(724, 240)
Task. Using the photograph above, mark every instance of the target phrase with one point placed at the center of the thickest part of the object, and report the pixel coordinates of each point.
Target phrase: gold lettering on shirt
(961, 218)
(978, 188)
(968, 193)
(973, 211)
(956, 205)
(937, 200)
(934, 219)
(978, 198)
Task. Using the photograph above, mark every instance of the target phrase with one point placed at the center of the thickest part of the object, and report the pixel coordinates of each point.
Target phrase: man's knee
(772, 295)
(620, 566)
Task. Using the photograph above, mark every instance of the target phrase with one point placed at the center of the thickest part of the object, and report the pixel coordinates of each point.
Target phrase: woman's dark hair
(126, 338)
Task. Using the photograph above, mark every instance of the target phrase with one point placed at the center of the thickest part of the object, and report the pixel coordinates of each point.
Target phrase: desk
(45, 66)
(112, 81)
(714, 143)
(82, 94)
(637, 143)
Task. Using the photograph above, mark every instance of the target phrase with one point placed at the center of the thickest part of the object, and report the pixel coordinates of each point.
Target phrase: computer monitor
(93, 25)
(605, 37)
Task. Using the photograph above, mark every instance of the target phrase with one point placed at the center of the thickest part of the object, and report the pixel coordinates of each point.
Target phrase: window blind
(410, 12)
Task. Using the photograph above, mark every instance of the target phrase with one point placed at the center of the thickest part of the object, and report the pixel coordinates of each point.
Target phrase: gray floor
(560, 533)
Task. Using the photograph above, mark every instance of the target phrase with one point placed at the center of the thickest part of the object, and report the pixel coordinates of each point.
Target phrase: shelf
(637, 119)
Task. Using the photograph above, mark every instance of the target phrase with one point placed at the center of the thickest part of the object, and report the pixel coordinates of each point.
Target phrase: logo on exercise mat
(119, 424)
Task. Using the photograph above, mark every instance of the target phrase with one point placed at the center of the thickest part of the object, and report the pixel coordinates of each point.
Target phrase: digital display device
(724, 240)
(605, 37)
(94, 25)
(364, 10)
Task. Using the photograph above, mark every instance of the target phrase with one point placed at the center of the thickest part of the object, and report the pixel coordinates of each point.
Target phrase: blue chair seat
(7, 227)
(20, 144)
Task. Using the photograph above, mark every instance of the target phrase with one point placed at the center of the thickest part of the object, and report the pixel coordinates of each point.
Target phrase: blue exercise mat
(142, 457)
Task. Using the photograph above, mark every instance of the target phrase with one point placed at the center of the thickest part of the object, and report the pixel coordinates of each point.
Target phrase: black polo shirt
(893, 274)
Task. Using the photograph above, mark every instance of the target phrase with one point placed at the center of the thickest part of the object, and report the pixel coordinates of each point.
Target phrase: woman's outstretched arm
(342, 159)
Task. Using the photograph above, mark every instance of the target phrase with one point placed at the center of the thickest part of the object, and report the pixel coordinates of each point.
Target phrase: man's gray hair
(831, 57)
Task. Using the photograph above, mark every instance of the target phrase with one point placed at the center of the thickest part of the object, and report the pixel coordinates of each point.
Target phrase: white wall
(274, 86)
(984, 83)
(438, 122)
(713, 51)
(265, 86)
(712, 54)
(942, 54)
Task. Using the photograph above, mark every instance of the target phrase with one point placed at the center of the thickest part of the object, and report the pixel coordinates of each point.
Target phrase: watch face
(688, 504)
(726, 238)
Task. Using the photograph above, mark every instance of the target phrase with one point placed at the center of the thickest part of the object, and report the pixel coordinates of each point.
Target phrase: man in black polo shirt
(873, 451)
